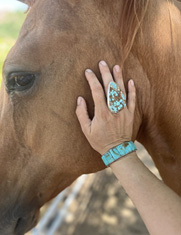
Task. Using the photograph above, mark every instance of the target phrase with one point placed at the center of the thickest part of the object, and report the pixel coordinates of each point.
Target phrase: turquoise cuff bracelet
(118, 152)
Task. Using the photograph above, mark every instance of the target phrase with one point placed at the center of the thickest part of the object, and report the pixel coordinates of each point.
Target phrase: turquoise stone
(116, 100)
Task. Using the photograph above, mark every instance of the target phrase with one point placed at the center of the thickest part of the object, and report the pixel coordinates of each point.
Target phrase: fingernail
(103, 63)
(132, 82)
(79, 100)
(88, 71)
(117, 68)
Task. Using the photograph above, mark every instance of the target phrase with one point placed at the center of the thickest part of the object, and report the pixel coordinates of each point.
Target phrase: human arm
(158, 205)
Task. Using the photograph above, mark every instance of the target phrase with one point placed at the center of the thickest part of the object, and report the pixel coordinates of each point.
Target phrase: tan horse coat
(42, 147)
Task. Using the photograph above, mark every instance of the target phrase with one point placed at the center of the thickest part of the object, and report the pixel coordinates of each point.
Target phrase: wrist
(112, 145)
(125, 161)
(126, 168)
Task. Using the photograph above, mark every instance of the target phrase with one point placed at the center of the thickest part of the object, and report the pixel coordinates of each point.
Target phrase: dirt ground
(103, 208)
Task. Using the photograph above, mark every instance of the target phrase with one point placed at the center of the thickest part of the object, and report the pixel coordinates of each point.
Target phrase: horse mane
(132, 15)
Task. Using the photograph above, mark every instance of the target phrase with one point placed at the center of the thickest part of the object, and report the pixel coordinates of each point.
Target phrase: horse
(42, 148)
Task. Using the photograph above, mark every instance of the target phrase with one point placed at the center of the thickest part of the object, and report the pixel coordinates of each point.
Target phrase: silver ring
(116, 99)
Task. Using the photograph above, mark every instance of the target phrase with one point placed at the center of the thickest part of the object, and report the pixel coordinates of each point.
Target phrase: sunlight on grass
(10, 24)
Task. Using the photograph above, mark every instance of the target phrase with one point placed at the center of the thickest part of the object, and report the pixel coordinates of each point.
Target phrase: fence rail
(53, 211)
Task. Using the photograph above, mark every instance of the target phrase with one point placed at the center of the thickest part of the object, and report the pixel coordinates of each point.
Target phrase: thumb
(82, 115)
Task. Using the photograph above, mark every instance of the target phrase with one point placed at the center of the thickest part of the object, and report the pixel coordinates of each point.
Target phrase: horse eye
(20, 82)
(24, 80)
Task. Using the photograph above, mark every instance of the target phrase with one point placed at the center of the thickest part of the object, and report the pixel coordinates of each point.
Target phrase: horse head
(42, 147)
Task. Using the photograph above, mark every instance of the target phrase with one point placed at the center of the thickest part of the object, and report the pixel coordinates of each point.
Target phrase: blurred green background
(10, 24)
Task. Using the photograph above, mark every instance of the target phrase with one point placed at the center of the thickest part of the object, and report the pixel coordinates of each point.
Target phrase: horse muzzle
(18, 225)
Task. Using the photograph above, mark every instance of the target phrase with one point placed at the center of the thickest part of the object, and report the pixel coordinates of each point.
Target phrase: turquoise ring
(116, 99)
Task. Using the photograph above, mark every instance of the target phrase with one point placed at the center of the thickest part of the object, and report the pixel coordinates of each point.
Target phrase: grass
(10, 24)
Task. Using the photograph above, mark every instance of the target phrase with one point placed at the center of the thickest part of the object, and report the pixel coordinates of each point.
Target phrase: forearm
(158, 205)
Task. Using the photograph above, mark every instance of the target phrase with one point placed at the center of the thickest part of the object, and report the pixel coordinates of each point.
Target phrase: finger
(106, 74)
(97, 91)
(118, 76)
(131, 96)
(82, 115)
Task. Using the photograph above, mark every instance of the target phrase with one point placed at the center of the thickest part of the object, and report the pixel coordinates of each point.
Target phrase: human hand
(106, 130)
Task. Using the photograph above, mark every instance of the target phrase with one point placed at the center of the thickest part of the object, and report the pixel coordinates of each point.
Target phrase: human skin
(158, 205)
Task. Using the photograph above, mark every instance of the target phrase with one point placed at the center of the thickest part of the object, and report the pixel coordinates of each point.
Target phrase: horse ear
(27, 2)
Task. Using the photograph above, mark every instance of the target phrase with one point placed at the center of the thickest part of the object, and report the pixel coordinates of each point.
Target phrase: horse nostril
(25, 223)
(22, 225)
(18, 224)
(34, 219)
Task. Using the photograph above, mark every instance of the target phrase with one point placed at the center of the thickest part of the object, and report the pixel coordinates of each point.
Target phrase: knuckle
(96, 87)
(106, 69)
(117, 115)
(107, 75)
(134, 93)
(107, 72)
(133, 97)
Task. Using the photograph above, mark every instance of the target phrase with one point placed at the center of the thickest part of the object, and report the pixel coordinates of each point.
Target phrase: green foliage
(10, 24)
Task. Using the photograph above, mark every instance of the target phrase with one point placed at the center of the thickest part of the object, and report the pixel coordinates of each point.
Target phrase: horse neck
(158, 42)
(157, 47)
